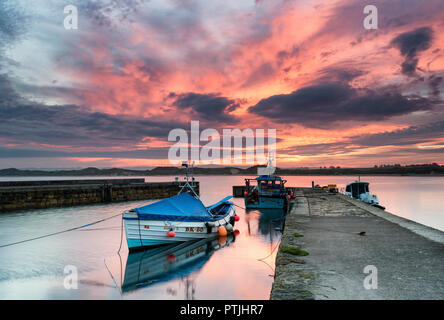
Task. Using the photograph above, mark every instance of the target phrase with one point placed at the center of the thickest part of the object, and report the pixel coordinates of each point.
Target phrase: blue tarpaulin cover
(183, 207)
(268, 178)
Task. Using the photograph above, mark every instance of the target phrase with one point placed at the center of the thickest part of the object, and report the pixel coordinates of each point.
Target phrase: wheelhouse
(357, 188)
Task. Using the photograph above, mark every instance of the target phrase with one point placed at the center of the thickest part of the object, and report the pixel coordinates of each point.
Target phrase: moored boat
(360, 190)
(176, 219)
(266, 191)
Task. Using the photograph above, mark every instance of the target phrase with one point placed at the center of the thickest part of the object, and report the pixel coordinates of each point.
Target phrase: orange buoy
(171, 234)
(222, 240)
(236, 218)
(222, 231)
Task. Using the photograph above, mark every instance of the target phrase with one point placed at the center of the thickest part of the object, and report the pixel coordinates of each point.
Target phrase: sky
(108, 93)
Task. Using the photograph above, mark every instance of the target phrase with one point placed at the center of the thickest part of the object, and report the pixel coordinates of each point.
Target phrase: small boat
(266, 191)
(360, 191)
(176, 219)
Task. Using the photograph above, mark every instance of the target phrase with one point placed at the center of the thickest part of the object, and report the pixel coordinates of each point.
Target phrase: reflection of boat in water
(360, 191)
(271, 220)
(164, 263)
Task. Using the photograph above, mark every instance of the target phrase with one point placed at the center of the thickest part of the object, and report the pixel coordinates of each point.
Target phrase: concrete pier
(19, 195)
(349, 243)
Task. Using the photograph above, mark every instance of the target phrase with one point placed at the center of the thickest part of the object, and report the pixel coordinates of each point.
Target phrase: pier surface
(342, 237)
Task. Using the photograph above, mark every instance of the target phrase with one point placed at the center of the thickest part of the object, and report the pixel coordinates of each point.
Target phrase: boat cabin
(357, 188)
(265, 191)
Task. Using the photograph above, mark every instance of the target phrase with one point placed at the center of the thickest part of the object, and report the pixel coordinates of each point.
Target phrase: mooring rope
(59, 232)
(239, 206)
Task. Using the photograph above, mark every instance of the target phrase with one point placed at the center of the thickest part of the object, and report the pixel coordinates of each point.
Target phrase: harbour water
(240, 268)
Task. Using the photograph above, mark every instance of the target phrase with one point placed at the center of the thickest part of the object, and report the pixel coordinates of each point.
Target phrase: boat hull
(266, 203)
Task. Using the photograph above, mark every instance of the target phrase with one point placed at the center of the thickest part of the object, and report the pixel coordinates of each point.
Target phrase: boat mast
(189, 177)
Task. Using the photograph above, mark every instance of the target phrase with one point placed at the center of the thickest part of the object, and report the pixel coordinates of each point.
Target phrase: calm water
(240, 268)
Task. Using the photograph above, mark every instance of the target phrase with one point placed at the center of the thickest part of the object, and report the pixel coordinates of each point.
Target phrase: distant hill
(418, 169)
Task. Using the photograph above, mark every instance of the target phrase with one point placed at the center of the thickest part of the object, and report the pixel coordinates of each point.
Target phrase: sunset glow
(109, 93)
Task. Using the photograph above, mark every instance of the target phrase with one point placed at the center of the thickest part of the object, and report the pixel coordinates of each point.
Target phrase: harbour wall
(335, 247)
(21, 195)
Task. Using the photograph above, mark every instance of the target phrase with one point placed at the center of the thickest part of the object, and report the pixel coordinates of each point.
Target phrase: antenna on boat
(189, 177)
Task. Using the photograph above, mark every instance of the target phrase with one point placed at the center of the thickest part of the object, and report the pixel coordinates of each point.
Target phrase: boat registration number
(194, 229)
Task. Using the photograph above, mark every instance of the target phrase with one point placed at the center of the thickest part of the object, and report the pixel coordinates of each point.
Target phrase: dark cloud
(412, 135)
(322, 105)
(410, 44)
(108, 12)
(12, 23)
(28, 121)
(210, 107)
(152, 153)
(318, 148)
(403, 138)
(339, 73)
(434, 83)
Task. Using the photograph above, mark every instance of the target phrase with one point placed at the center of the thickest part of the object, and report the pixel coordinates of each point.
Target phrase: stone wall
(48, 196)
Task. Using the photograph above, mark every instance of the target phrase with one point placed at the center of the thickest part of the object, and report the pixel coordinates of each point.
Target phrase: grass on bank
(296, 251)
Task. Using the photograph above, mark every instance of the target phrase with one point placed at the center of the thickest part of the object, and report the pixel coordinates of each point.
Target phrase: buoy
(222, 231)
(171, 257)
(236, 232)
(222, 240)
(171, 233)
(229, 227)
(236, 218)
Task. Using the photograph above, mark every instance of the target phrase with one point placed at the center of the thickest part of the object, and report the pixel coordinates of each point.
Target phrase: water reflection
(270, 225)
(171, 262)
(271, 221)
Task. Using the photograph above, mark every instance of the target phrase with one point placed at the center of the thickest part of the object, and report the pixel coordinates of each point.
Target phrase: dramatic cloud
(105, 12)
(408, 136)
(434, 85)
(325, 104)
(135, 69)
(24, 121)
(406, 139)
(12, 21)
(152, 153)
(410, 44)
(209, 107)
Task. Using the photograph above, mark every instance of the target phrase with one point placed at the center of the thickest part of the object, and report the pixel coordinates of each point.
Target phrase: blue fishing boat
(179, 218)
(265, 191)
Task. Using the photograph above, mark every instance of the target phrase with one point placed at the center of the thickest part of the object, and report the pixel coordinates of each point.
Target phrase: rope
(121, 236)
(239, 206)
(59, 232)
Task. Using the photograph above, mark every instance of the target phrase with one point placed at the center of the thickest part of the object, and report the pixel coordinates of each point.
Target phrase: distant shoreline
(426, 170)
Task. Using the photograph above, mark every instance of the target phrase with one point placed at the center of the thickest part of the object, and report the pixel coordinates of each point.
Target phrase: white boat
(360, 190)
(176, 219)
